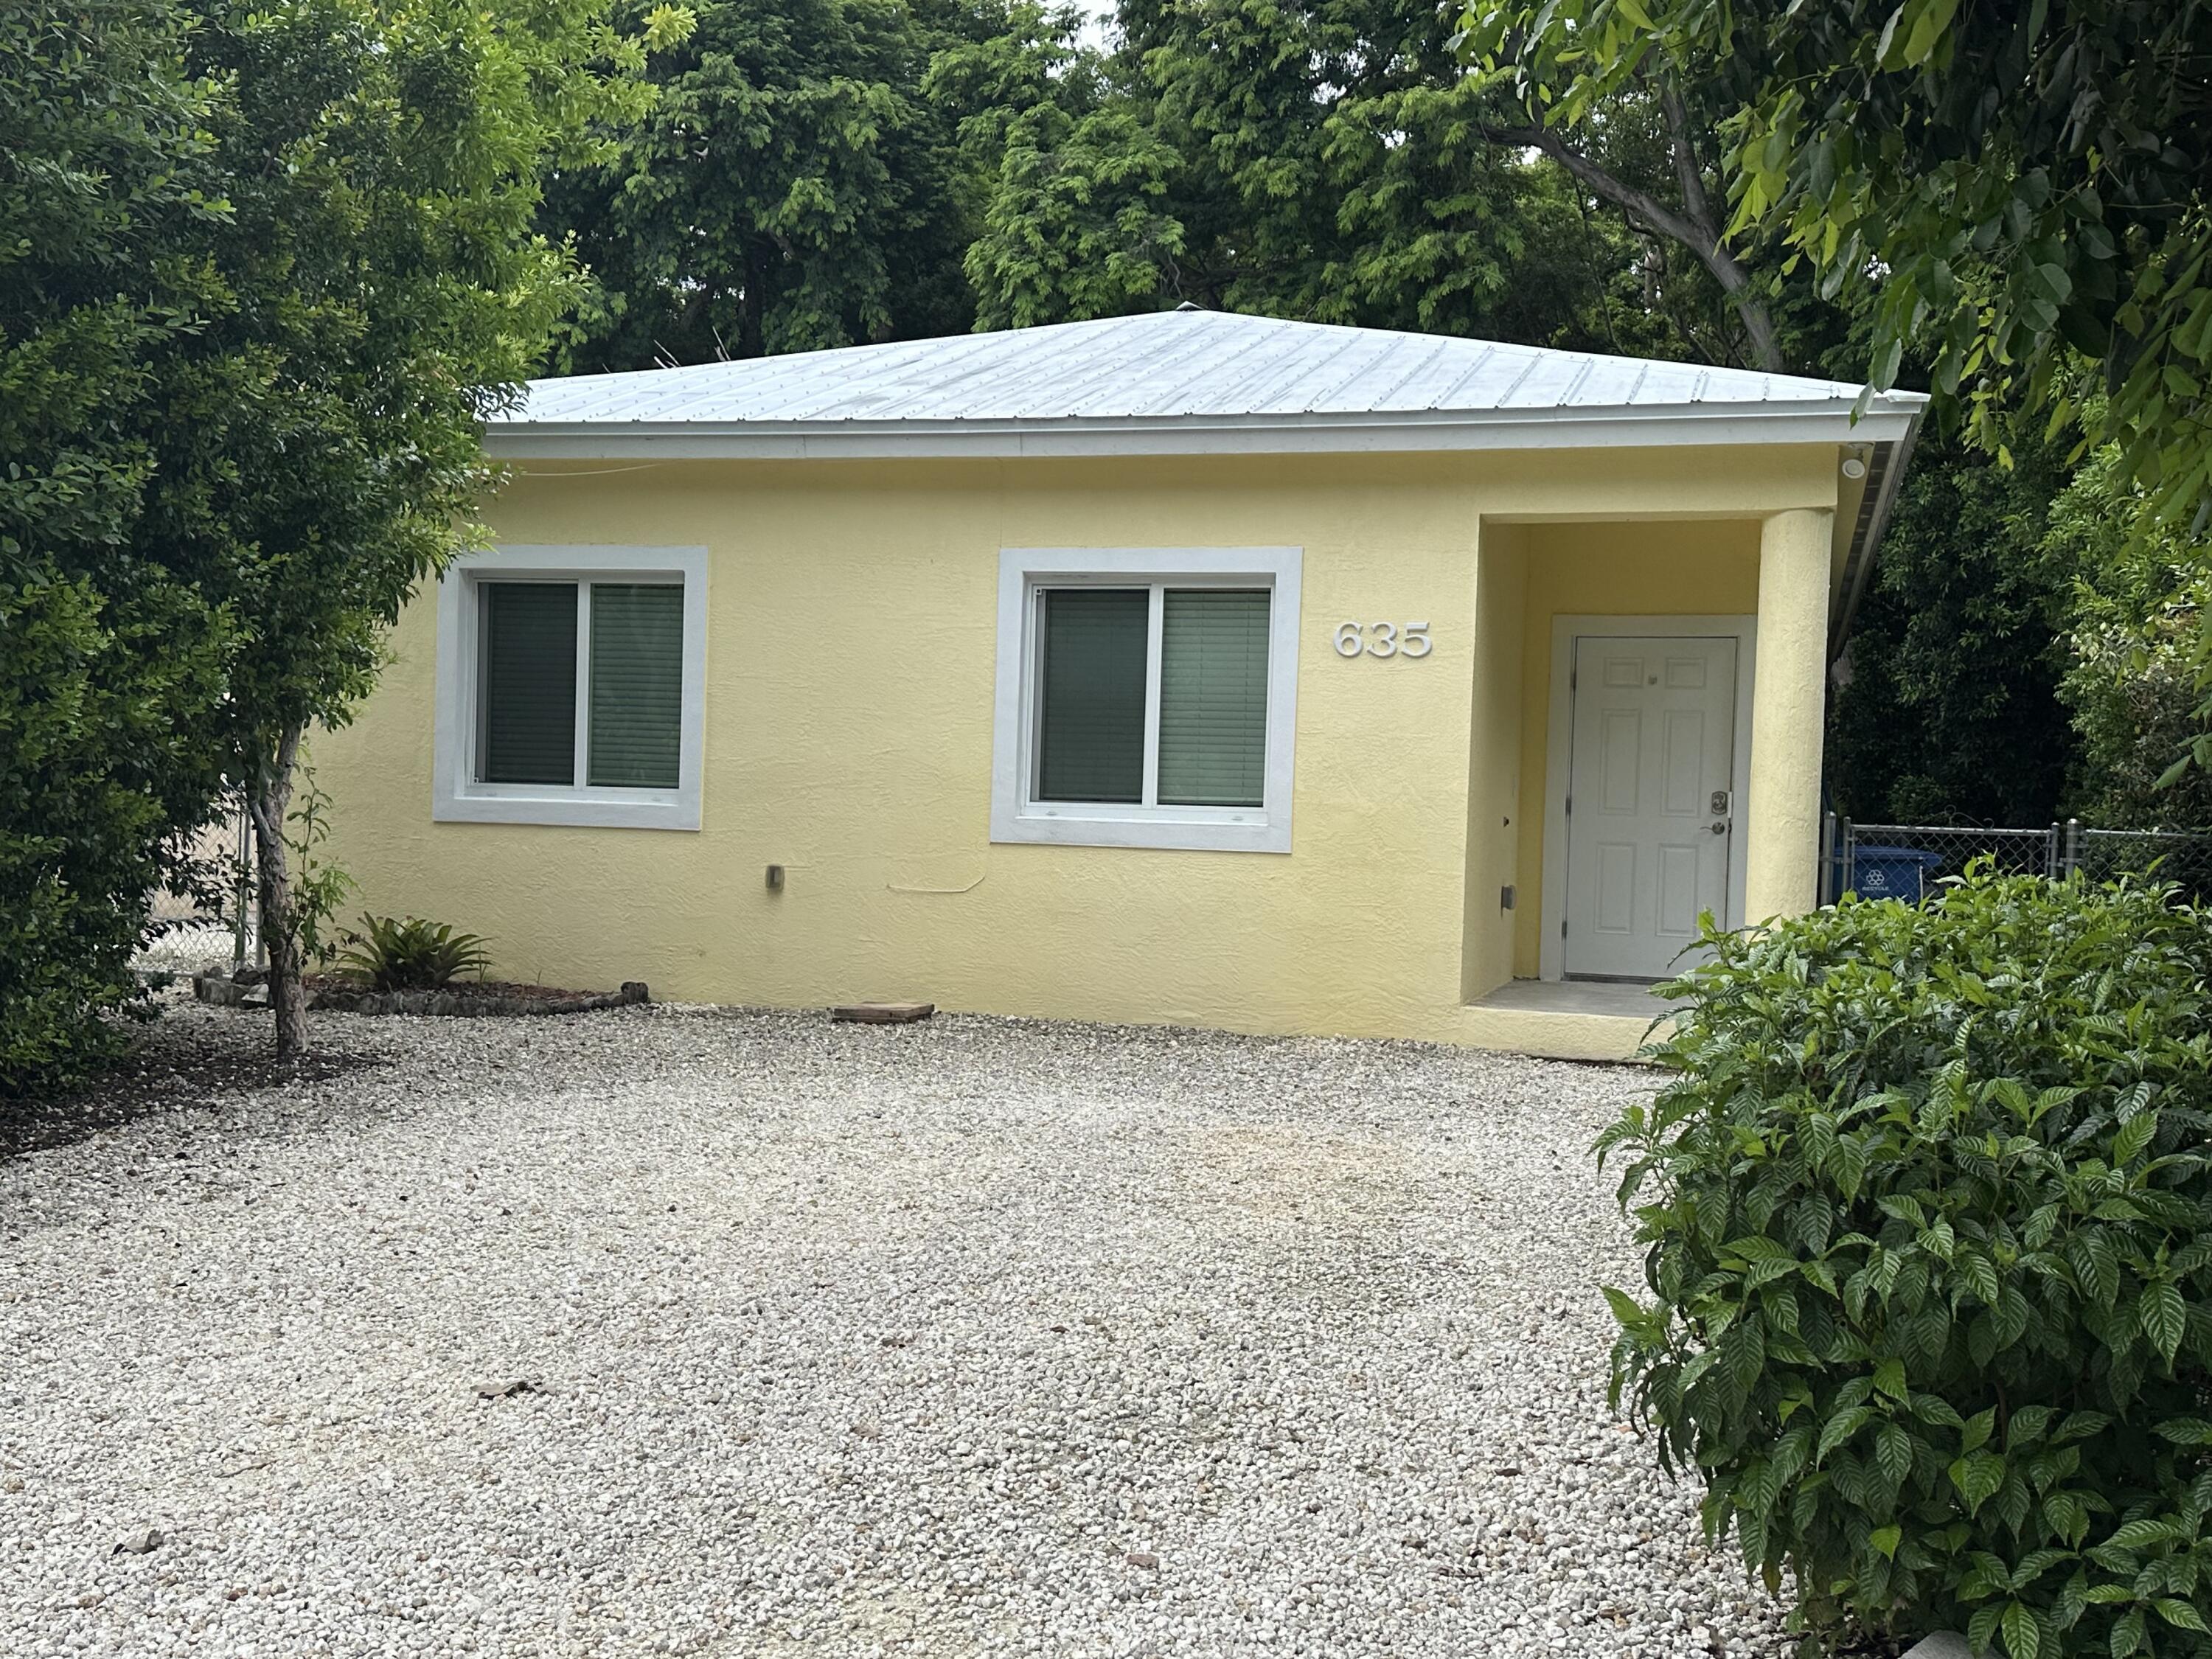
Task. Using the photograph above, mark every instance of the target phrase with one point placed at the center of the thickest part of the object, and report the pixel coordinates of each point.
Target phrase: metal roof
(1179, 381)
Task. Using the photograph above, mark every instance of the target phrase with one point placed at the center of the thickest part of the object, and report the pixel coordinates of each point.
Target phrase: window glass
(636, 731)
(1091, 712)
(529, 683)
(1213, 696)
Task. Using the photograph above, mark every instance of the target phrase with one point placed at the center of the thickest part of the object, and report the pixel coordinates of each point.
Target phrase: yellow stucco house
(1189, 667)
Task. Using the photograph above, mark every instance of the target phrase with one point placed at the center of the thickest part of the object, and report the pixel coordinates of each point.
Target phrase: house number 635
(1383, 639)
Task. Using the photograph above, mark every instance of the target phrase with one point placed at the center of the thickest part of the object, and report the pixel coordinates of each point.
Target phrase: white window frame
(1018, 815)
(457, 796)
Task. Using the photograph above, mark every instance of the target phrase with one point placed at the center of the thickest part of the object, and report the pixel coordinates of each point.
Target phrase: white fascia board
(1889, 420)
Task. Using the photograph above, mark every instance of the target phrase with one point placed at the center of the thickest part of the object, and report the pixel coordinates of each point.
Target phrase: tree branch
(1688, 173)
(1693, 230)
(1645, 206)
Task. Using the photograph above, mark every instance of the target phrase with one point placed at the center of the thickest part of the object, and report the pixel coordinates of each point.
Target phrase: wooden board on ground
(884, 1013)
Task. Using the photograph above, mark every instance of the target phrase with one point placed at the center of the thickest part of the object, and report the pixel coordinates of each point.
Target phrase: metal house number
(1383, 639)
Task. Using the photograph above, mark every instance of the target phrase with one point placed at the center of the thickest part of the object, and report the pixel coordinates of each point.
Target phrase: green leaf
(1626, 1310)
(1977, 1476)
(1889, 1378)
(2027, 1425)
(2180, 1614)
(1981, 1629)
(1885, 1540)
(2023, 1636)
(1981, 1274)
(1756, 1247)
(2164, 1318)
(1839, 1428)
(2133, 1137)
(2137, 1535)
(1893, 1452)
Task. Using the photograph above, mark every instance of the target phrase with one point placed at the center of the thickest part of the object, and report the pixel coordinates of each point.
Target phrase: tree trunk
(752, 308)
(1735, 280)
(269, 803)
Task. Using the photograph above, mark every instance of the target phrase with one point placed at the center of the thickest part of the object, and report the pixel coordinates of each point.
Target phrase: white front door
(1648, 813)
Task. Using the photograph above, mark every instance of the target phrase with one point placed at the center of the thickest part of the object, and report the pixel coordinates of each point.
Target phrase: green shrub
(411, 955)
(93, 781)
(1926, 1210)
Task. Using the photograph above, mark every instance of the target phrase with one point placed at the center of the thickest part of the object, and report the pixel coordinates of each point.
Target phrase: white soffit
(1179, 382)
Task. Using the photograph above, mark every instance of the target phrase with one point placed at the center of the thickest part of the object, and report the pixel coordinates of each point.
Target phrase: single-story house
(1191, 667)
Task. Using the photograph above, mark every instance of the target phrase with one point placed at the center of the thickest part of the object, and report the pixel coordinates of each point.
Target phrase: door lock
(1720, 826)
(1720, 804)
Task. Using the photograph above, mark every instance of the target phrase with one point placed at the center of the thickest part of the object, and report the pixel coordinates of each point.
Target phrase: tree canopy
(382, 287)
(267, 268)
(109, 663)
(840, 171)
(789, 188)
(2019, 191)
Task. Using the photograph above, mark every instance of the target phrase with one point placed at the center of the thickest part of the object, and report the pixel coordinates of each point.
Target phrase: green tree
(1065, 178)
(790, 189)
(1950, 710)
(2137, 617)
(1327, 160)
(2018, 190)
(382, 286)
(108, 667)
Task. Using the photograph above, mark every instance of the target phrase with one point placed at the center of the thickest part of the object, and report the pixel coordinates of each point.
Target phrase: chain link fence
(192, 933)
(1906, 861)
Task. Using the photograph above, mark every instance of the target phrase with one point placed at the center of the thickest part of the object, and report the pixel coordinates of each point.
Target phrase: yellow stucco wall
(849, 676)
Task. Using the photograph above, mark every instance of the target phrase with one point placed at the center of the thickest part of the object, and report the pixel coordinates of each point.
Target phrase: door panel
(1621, 742)
(1683, 763)
(1649, 831)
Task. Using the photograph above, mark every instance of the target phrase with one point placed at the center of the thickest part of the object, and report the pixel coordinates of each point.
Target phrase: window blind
(1091, 717)
(636, 735)
(529, 687)
(1213, 696)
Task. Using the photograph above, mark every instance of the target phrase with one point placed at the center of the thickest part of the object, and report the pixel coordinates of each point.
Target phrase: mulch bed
(478, 990)
(168, 1066)
(335, 994)
(464, 998)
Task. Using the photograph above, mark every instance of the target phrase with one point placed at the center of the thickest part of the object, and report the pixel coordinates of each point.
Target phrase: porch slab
(1566, 1019)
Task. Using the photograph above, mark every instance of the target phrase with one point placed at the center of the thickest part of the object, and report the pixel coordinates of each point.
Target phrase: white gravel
(974, 1337)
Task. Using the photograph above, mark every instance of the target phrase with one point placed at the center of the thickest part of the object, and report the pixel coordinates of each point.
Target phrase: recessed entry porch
(1613, 998)
(1569, 1020)
(1645, 749)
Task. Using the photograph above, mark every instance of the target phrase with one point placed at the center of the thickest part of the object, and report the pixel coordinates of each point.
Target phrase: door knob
(1720, 826)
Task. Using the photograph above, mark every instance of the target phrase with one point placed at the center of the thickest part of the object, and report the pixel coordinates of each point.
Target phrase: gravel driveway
(973, 1337)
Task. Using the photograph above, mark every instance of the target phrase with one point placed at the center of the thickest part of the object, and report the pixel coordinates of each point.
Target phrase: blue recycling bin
(1895, 872)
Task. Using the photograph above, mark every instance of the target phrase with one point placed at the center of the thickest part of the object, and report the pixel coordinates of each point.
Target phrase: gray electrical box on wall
(1506, 898)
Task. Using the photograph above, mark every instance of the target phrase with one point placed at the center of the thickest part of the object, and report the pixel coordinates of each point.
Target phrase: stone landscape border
(225, 992)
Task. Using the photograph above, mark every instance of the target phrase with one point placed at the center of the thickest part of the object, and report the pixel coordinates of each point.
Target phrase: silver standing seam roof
(1198, 382)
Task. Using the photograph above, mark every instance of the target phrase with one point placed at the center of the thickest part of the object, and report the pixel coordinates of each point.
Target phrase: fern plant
(1928, 1222)
(412, 955)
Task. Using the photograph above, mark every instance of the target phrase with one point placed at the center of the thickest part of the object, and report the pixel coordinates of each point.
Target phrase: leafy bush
(411, 955)
(109, 671)
(1929, 1226)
